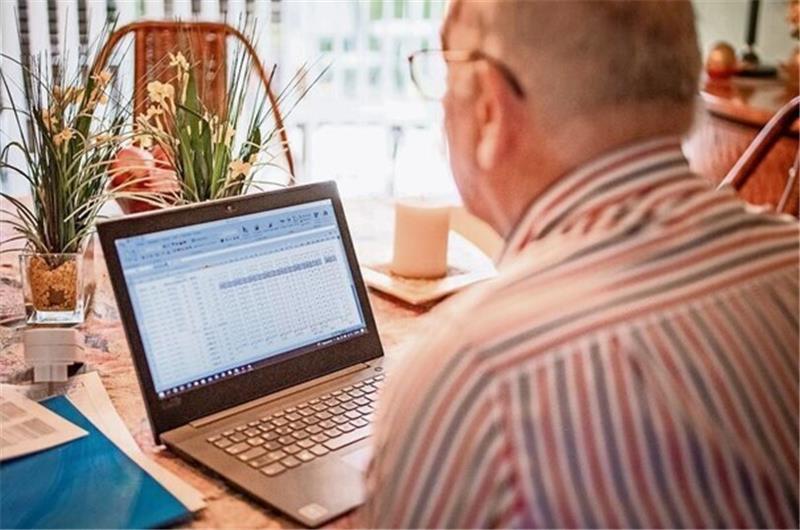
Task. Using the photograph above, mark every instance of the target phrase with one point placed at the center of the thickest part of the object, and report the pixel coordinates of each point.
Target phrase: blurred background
(363, 124)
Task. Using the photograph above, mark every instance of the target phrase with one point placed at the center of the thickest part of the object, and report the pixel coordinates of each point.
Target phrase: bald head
(578, 58)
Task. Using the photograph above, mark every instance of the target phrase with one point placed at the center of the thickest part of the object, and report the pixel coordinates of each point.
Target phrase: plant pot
(57, 288)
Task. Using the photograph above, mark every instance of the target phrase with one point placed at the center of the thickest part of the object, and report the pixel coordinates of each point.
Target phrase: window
(363, 123)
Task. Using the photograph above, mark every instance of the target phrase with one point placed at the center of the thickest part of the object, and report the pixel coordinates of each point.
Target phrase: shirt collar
(592, 182)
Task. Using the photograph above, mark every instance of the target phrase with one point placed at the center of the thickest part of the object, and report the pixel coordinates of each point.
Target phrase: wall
(727, 20)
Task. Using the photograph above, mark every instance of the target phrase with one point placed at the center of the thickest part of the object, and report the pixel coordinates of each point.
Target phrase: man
(635, 363)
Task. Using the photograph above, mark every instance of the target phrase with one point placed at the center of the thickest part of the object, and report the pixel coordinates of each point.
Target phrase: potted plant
(183, 151)
(67, 136)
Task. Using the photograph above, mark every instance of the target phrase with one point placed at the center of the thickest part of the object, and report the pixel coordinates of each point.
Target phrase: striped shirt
(635, 364)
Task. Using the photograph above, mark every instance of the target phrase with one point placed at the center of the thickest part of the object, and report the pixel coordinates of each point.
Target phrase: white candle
(420, 239)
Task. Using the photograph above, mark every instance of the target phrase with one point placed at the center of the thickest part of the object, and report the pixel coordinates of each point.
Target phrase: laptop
(254, 343)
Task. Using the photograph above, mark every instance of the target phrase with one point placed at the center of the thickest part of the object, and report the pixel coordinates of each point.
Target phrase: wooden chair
(154, 40)
(785, 195)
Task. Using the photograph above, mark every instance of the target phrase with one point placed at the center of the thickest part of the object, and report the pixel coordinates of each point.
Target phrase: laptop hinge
(201, 422)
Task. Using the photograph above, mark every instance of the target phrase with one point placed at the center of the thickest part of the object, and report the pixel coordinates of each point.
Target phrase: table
(107, 353)
(730, 113)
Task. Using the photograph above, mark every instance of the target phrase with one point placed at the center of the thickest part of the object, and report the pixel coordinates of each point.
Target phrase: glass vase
(57, 288)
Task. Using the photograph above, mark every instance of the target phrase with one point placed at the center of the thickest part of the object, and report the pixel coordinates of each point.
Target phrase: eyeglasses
(429, 70)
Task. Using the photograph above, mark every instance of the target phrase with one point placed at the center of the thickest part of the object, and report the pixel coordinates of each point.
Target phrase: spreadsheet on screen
(214, 299)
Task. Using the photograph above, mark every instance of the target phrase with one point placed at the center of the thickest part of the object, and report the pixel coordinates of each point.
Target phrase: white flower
(103, 78)
(160, 92)
(238, 167)
(64, 136)
(179, 61)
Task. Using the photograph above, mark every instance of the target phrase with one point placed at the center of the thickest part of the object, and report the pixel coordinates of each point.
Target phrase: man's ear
(497, 116)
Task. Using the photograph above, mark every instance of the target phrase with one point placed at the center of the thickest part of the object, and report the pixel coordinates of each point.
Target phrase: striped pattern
(634, 365)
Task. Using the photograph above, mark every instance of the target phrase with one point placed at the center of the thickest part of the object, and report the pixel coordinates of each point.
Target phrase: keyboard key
(252, 453)
(327, 424)
(237, 448)
(323, 397)
(320, 450)
(276, 455)
(332, 402)
(356, 393)
(237, 437)
(368, 389)
(313, 429)
(214, 438)
(359, 422)
(306, 412)
(341, 419)
(347, 389)
(279, 421)
(319, 407)
(273, 469)
(299, 435)
(345, 427)
(361, 401)
(272, 446)
(290, 461)
(297, 425)
(306, 444)
(313, 401)
(336, 410)
(311, 420)
(336, 393)
(305, 456)
(352, 414)
(379, 377)
(266, 427)
(283, 430)
(324, 415)
(256, 440)
(252, 432)
(292, 449)
(293, 416)
(223, 443)
(252, 423)
(359, 384)
(227, 433)
(278, 414)
(333, 433)
(266, 419)
(319, 438)
(366, 410)
(269, 436)
(344, 398)
(241, 428)
(346, 439)
(290, 409)
(260, 461)
(285, 440)
(349, 405)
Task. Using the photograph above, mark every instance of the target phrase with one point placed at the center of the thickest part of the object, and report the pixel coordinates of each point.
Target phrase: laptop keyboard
(299, 434)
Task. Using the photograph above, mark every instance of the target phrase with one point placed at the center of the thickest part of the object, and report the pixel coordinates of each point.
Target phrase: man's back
(635, 364)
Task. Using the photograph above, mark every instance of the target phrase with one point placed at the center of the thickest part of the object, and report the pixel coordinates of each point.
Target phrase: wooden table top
(106, 352)
(746, 100)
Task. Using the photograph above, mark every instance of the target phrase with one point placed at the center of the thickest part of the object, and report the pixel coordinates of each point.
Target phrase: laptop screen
(217, 299)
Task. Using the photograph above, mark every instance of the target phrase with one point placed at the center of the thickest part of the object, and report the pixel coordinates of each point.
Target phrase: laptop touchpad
(359, 459)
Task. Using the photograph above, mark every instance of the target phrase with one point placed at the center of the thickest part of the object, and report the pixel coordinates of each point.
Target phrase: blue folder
(86, 483)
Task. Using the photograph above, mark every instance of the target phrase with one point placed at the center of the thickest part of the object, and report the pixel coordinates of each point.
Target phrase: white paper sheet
(27, 427)
(89, 396)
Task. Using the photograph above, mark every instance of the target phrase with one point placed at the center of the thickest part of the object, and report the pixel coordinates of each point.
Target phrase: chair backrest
(788, 200)
(154, 40)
